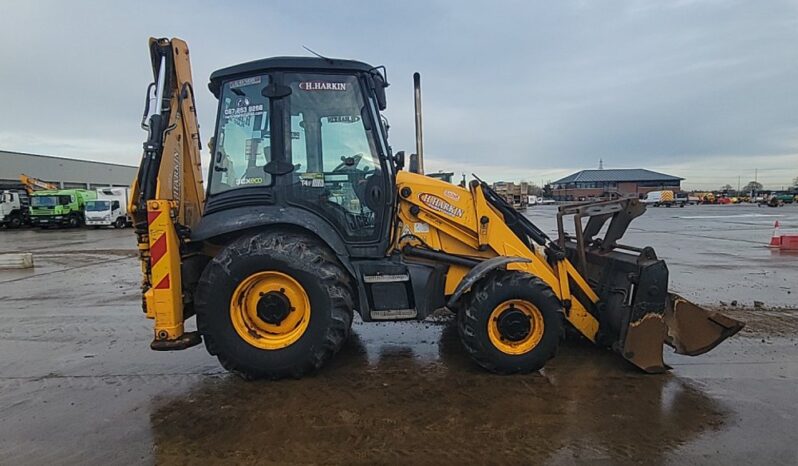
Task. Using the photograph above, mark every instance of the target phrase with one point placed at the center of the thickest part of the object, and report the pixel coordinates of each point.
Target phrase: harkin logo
(436, 203)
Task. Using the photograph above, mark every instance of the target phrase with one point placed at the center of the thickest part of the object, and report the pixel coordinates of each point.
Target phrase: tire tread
(304, 253)
(477, 301)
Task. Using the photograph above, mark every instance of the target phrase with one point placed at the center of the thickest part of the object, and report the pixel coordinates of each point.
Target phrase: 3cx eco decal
(321, 86)
(436, 203)
(248, 181)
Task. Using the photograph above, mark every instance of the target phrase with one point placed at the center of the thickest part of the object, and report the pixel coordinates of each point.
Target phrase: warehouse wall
(69, 173)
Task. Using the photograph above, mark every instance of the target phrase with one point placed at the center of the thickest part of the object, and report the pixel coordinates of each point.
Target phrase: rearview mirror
(379, 85)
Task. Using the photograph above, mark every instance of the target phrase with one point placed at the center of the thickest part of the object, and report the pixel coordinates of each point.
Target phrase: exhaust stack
(419, 130)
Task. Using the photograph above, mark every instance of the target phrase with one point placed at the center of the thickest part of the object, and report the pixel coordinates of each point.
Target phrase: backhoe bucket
(686, 327)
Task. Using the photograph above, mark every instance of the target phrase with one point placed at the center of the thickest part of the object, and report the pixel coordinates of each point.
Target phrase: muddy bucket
(686, 327)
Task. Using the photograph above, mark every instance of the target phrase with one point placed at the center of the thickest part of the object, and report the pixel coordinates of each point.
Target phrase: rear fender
(234, 222)
(240, 219)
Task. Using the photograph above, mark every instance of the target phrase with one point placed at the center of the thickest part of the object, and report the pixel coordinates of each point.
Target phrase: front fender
(479, 271)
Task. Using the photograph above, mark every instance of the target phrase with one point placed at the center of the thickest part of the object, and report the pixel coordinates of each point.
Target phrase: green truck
(65, 207)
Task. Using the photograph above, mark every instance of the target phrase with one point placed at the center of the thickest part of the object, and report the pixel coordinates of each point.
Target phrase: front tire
(120, 223)
(274, 305)
(511, 323)
(15, 222)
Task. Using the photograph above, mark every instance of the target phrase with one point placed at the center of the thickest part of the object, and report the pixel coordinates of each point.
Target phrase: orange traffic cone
(775, 240)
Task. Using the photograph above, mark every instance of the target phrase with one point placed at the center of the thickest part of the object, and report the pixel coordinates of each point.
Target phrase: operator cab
(305, 135)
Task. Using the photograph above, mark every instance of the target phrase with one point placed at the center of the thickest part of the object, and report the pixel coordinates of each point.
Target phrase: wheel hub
(270, 310)
(514, 325)
(273, 307)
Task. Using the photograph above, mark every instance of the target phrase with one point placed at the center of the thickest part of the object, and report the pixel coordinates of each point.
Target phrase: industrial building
(587, 184)
(516, 194)
(64, 172)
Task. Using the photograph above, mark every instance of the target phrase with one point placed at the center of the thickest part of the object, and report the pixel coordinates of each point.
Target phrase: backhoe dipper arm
(33, 184)
(167, 194)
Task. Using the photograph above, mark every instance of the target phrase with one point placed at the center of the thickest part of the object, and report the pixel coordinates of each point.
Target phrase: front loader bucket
(693, 330)
(686, 327)
(636, 313)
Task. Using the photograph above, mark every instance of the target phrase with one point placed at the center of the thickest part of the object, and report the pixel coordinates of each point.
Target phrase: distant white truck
(539, 200)
(14, 209)
(665, 198)
(109, 209)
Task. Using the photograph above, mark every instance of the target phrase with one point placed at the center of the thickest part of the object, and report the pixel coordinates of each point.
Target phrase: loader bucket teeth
(693, 330)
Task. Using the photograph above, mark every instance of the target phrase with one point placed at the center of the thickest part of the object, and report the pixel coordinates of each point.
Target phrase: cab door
(335, 143)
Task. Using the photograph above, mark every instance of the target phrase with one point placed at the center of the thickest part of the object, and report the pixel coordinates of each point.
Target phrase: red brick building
(588, 184)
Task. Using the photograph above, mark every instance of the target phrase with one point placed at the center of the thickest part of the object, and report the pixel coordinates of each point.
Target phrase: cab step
(394, 314)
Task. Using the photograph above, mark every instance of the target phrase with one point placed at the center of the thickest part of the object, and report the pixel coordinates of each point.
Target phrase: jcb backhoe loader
(309, 217)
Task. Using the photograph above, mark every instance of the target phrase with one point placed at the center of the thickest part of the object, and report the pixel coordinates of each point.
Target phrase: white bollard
(22, 260)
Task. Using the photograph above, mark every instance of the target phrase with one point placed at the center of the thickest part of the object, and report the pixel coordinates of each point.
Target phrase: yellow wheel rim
(519, 346)
(256, 331)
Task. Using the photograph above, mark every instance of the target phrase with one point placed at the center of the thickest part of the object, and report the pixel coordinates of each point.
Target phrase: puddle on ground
(406, 392)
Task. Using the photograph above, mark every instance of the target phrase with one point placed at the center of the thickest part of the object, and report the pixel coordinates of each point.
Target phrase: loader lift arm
(167, 195)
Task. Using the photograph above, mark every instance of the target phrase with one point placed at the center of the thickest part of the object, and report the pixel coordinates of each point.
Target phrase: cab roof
(276, 63)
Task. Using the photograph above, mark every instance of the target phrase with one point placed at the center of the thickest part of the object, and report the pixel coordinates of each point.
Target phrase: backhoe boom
(167, 195)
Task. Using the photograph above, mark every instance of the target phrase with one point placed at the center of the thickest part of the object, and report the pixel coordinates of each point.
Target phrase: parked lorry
(61, 207)
(14, 208)
(664, 198)
(784, 198)
(109, 209)
(683, 198)
(15, 200)
(540, 200)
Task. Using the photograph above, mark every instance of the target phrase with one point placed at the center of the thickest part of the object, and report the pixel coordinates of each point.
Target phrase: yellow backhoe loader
(309, 216)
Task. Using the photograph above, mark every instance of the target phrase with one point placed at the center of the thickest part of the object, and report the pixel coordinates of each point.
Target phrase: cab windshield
(49, 201)
(242, 144)
(98, 206)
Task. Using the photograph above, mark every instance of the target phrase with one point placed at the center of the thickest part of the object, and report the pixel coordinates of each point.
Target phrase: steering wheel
(348, 164)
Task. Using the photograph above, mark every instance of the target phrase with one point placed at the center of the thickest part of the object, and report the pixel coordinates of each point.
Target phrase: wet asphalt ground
(79, 385)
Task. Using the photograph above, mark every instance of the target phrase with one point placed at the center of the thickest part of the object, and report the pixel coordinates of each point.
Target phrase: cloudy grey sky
(707, 90)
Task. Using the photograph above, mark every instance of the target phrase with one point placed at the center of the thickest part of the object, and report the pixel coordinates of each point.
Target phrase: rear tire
(73, 221)
(309, 263)
(481, 311)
